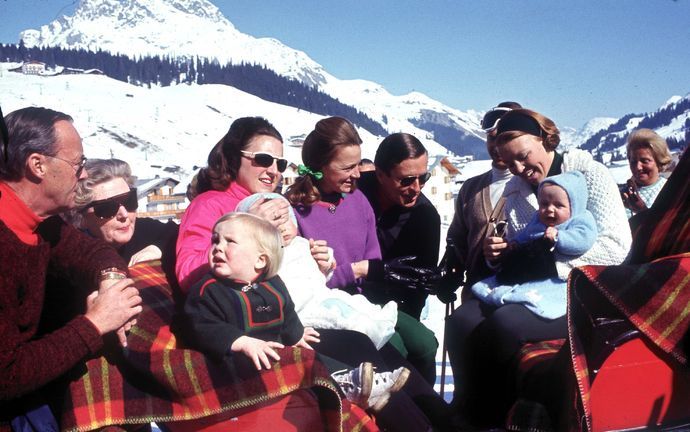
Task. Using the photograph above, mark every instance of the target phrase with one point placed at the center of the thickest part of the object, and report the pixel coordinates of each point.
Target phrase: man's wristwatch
(111, 273)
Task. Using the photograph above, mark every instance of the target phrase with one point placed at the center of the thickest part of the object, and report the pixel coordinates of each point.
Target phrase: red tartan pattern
(651, 291)
(532, 353)
(162, 382)
(656, 299)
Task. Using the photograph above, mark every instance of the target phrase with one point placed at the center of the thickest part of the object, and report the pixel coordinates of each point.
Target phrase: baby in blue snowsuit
(561, 228)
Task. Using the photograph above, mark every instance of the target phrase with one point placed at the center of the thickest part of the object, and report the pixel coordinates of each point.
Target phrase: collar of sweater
(17, 216)
(500, 175)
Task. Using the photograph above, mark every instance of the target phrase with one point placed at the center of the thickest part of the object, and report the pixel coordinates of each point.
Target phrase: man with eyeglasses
(41, 162)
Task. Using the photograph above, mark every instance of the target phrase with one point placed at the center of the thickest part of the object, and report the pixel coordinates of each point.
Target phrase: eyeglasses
(265, 160)
(78, 167)
(491, 118)
(409, 180)
(108, 208)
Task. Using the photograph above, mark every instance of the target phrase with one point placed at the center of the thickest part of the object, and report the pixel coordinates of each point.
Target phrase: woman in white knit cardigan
(531, 158)
(527, 142)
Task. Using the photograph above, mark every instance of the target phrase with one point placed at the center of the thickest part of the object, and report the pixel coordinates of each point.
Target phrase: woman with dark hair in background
(478, 211)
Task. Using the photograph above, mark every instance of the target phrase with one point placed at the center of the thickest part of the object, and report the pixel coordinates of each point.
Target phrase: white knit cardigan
(604, 202)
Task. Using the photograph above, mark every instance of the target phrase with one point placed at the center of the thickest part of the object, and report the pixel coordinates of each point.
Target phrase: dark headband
(515, 121)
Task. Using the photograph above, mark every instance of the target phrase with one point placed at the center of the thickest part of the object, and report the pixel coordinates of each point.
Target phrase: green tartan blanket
(155, 380)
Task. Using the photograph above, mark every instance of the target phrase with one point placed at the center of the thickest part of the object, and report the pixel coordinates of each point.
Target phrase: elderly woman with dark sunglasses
(106, 205)
(106, 208)
(247, 160)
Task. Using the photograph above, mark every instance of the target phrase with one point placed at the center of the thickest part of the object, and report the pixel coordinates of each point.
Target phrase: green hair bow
(304, 170)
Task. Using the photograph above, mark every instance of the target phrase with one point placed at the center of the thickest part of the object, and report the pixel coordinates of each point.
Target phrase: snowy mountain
(573, 138)
(139, 27)
(671, 121)
(161, 130)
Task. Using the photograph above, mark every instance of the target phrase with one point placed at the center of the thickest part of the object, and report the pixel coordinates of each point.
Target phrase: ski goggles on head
(108, 208)
(265, 160)
(408, 181)
(491, 118)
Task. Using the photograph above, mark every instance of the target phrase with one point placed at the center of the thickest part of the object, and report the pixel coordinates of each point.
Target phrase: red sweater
(28, 362)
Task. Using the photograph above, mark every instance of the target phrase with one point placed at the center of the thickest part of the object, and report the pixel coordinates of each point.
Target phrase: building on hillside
(77, 71)
(158, 199)
(289, 177)
(440, 189)
(296, 140)
(31, 67)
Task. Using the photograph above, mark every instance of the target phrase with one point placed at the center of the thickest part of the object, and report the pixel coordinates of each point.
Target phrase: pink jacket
(194, 240)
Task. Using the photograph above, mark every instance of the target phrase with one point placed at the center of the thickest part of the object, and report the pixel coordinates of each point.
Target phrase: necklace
(332, 206)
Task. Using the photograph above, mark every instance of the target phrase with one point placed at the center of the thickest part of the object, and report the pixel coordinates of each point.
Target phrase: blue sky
(571, 60)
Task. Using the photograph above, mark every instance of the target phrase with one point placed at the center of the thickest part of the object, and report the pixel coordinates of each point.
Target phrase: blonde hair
(647, 138)
(267, 237)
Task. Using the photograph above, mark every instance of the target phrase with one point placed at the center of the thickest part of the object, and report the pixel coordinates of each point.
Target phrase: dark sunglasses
(265, 160)
(107, 208)
(407, 181)
(491, 118)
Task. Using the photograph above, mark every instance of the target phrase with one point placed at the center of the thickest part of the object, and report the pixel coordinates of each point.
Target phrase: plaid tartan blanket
(655, 297)
(526, 414)
(156, 380)
(652, 290)
(532, 355)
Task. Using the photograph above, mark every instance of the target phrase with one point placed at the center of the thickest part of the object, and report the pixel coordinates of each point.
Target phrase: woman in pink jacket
(247, 160)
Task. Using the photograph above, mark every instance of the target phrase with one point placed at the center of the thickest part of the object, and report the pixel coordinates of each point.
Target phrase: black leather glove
(451, 279)
(449, 283)
(400, 271)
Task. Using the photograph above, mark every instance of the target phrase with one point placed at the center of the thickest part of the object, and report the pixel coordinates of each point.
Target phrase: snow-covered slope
(158, 127)
(573, 138)
(138, 27)
(671, 121)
